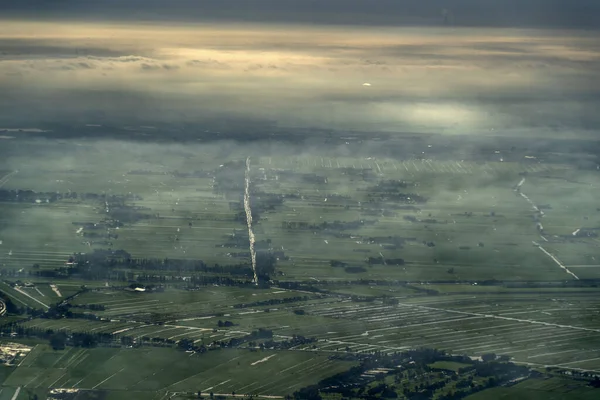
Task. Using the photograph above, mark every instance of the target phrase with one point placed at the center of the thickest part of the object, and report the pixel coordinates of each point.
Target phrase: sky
(522, 13)
(452, 66)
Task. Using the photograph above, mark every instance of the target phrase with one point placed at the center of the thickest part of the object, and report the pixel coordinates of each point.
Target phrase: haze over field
(307, 199)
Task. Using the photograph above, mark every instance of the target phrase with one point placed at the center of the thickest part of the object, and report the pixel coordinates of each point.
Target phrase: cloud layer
(447, 79)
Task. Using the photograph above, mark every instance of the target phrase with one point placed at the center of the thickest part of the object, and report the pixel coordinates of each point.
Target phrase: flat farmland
(183, 217)
(41, 234)
(139, 331)
(204, 302)
(555, 330)
(383, 254)
(547, 389)
(473, 223)
(148, 371)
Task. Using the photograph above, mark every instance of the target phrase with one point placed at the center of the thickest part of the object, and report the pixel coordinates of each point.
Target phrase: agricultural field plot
(571, 220)
(409, 165)
(138, 331)
(440, 239)
(182, 215)
(542, 330)
(168, 370)
(41, 234)
(533, 330)
(569, 199)
(543, 389)
(174, 304)
(177, 233)
(26, 297)
(438, 228)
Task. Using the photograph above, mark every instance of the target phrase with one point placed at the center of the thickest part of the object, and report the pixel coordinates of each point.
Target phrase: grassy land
(158, 369)
(448, 365)
(481, 230)
(554, 389)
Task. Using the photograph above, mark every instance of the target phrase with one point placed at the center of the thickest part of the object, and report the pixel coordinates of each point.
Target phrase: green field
(552, 389)
(393, 253)
(158, 370)
(447, 365)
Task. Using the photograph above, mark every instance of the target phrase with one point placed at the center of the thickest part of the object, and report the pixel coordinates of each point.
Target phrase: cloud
(455, 80)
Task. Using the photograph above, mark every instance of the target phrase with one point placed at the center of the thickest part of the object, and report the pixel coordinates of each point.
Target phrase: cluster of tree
(412, 218)
(113, 198)
(355, 270)
(382, 390)
(225, 324)
(265, 265)
(366, 174)
(60, 339)
(93, 307)
(196, 281)
(304, 177)
(382, 213)
(240, 254)
(422, 289)
(408, 198)
(334, 196)
(341, 383)
(272, 302)
(374, 204)
(147, 341)
(145, 172)
(241, 216)
(358, 383)
(128, 214)
(294, 285)
(63, 310)
(98, 235)
(296, 340)
(110, 264)
(80, 339)
(192, 174)
(98, 226)
(397, 241)
(504, 371)
(466, 388)
(389, 186)
(29, 196)
(337, 264)
(262, 201)
(323, 226)
(187, 344)
(260, 334)
(385, 261)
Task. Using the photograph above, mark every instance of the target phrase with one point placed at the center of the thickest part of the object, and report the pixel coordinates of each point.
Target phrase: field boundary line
(31, 297)
(16, 394)
(108, 378)
(504, 318)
